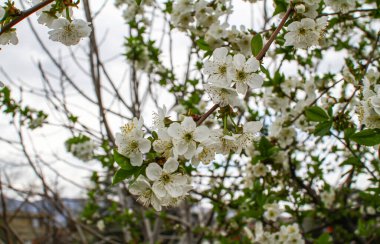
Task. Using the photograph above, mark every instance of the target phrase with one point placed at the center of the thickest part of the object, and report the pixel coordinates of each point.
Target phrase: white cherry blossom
(222, 94)
(69, 33)
(164, 145)
(142, 188)
(133, 146)
(272, 211)
(217, 67)
(250, 130)
(241, 72)
(166, 181)
(302, 34)
(186, 135)
(9, 37)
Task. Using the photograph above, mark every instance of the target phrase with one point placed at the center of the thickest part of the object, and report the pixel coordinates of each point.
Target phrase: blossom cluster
(174, 144)
(286, 234)
(225, 72)
(63, 28)
(369, 107)
(309, 30)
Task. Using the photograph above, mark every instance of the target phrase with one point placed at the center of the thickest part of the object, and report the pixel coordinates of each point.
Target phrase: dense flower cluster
(286, 234)
(164, 183)
(226, 71)
(369, 108)
(305, 33)
(62, 27)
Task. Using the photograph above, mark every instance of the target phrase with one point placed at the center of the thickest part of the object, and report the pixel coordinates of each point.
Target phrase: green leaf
(369, 137)
(203, 45)
(323, 128)
(121, 174)
(256, 44)
(316, 114)
(121, 160)
(281, 6)
(323, 239)
(138, 2)
(351, 161)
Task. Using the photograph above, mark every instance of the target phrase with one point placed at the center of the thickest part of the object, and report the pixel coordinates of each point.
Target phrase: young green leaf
(121, 160)
(316, 114)
(256, 44)
(369, 137)
(120, 175)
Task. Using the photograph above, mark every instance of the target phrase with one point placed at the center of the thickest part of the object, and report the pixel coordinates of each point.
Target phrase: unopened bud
(300, 8)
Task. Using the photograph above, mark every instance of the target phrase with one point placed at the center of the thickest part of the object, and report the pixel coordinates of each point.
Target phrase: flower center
(165, 178)
(241, 75)
(222, 69)
(302, 31)
(188, 137)
(134, 145)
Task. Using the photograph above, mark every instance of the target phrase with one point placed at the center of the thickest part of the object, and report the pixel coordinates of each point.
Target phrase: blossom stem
(24, 14)
(275, 33)
(259, 57)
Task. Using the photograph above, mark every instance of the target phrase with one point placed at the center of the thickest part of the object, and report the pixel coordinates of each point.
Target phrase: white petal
(139, 187)
(181, 147)
(252, 127)
(179, 179)
(252, 65)
(190, 151)
(239, 61)
(220, 54)
(136, 159)
(201, 133)
(175, 130)
(153, 171)
(255, 81)
(171, 165)
(159, 189)
(156, 204)
(174, 190)
(241, 88)
(144, 145)
(189, 124)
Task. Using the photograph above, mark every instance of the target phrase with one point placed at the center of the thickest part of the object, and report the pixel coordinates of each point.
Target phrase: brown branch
(23, 15)
(259, 57)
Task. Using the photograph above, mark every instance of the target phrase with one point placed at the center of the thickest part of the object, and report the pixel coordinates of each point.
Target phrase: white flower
(100, 225)
(9, 37)
(2, 13)
(217, 68)
(186, 135)
(159, 118)
(131, 144)
(69, 33)
(83, 150)
(343, 6)
(222, 94)
(328, 198)
(250, 129)
(286, 136)
(311, 11)
(302, 34)
(241, 72)
(259, 170)
(225, 143)
(375, 102)
(166, 182)
(272, 211)
(205, 153)
(164, 145)
(143, 189)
